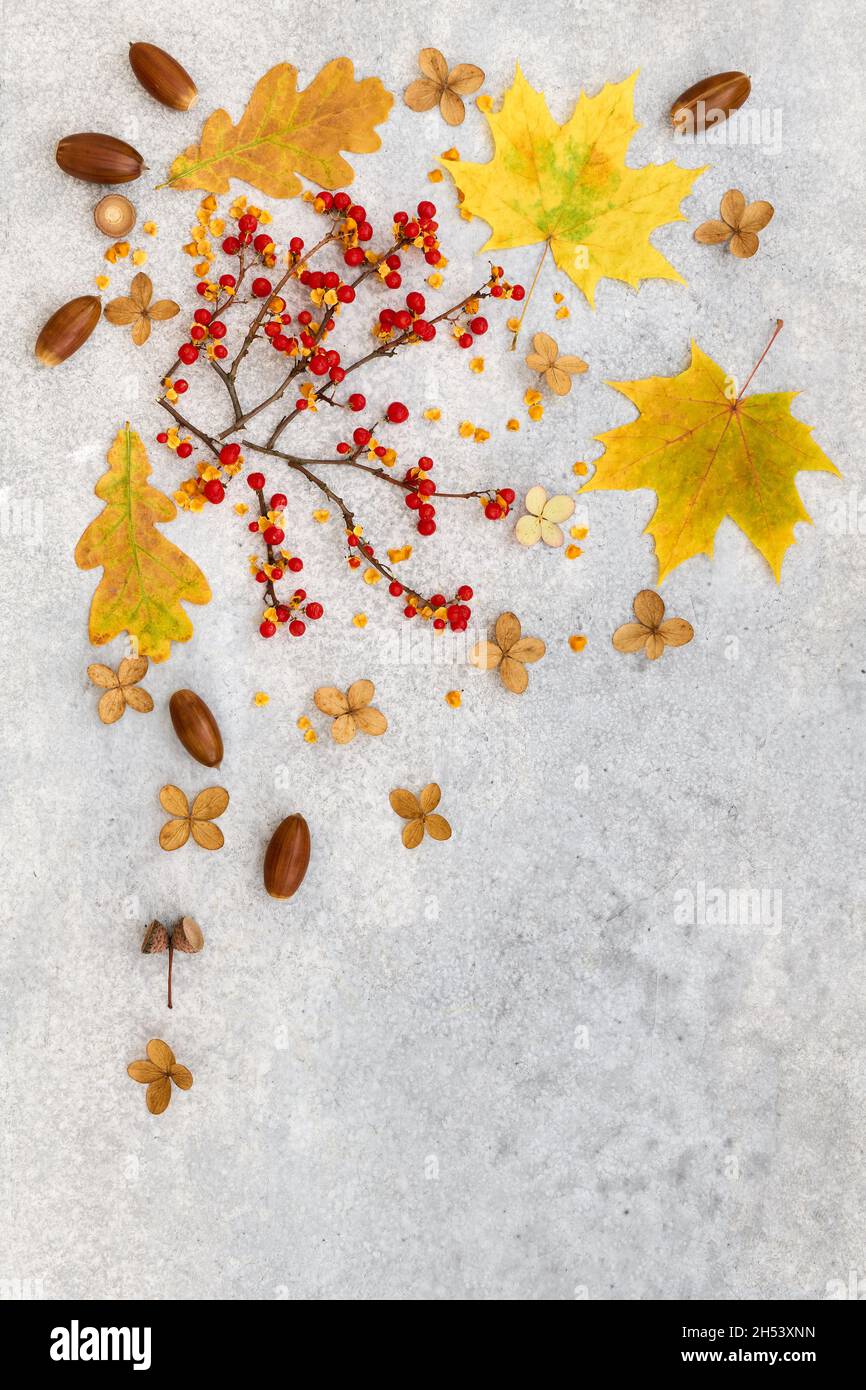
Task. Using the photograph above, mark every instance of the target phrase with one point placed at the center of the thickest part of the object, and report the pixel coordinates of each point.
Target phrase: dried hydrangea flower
(121, 687)
(557, 370)
(509, 654)
(419, 814)
(650, 633)
(350, 712)
(157, 1073)
(442, 86)
(136, 308)
(543, 514)
(739, 225)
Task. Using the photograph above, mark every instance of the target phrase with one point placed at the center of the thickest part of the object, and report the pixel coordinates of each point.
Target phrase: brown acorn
(155, 940)
(162, 76)
(287, 857)
(67, 329)
(114, 215)
(709, 102)
(98, 158)
(196, 727)
(187, 937)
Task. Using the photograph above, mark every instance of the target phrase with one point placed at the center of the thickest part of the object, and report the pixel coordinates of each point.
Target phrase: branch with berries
(315, 371)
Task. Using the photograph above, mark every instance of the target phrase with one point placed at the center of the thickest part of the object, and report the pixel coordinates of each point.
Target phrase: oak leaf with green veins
(145, 577)
(569, 186)
(284, 132)
(706, 457)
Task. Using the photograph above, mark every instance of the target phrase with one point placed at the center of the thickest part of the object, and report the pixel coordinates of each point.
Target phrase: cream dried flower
(543, 514)
(556, 370)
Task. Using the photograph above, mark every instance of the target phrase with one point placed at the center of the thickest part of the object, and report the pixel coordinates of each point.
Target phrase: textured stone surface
(500, 1067)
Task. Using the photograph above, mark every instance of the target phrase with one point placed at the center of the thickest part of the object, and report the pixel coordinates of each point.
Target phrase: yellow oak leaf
(707, 455)
(569, 186)
(284, 132)
(144, 577)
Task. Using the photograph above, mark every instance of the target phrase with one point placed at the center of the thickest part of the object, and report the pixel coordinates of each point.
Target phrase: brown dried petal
(558, 380)
(732, 206)
(141, 331)
(174, 834)
(485, 655)
(208, 835)
(744, 245)
(676, 632)
(756, 216)
(132, 669)
(102, 676)
(122, 311)
(546, 349)
(712, 233)
(631, 637)
(181, 1076)
(507, 631)
(158, 1095)
(111, 706)
(433, 65)
(138, 699)
(141, 290)
(163, 309)
(405, 803)
(330, 700)
(514, 675)
(465, 79)
(655, 645)
(437, 827)
(452, 108)
(422, 94)
(413, 833)
(430, 797)
(528, 650)
(370, 721)
(575, 366)
(649, 608)
(173, 800)
(360, 693)
(210, 803)
(343, 729)
(155, 940)
(143, 1071)
(160, 1054)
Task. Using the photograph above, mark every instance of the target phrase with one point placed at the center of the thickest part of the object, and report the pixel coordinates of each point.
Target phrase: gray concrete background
(500, 1068)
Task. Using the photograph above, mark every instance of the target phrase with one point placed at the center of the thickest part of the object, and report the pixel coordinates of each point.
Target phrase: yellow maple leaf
(284, 132)
(569, 186)
(708, 456)
(145, 576)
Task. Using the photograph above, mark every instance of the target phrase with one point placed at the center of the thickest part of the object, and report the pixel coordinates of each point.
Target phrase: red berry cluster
(497, 506)
(419, 498)
(273, 569)
(455, 614)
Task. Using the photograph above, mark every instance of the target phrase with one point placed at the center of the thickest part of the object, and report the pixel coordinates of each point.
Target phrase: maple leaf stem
(170, 962)
(529, 296)
(780, 324)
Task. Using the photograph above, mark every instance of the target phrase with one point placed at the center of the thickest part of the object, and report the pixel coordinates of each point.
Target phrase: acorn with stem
(186, 937)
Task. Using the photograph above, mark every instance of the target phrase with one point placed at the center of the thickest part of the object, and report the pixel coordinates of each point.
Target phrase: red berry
(402, 320)
(253, 526)
(437, 601)
(231, 246)
(283, 613)
(342, 202)
(300, 595)
(202, 287)
(507, 494)
(256, 481)
(296, 564)
(497, 291)
(278, 501)
(342, 447)
(261, 577)
(184, 450)
(354, 256)
(409, 611)
(439, 624)
(248, 223)
(358, 213)
(411, 230)
(305, 317)
(400, 218)
(426, 528)
(274, 535)
(197, 332)
(426, 512)
(393, 262)
(214, 490)
(479, 325)
(188, 353)
(517, 292)
(180, 386)
(220, 351)
(297, 628)
(272, 330)
(416, 302)
(357, 401)
(228, 282)
(426, 211)
(296, 245)
(336, 374)
(202, 316)
(364, 231)
(276, 572)
(345, 294)
(218, 329)
(267, 628)
(318, 364)
(493, 511)
(413, 501)
(162, 437)
(352, 539)
(465, 340)
(464, 593)
(301, 404)
(324, 197)
(314, 611)
(361, 436)
(261, 287)
(397, 413)
(393, 280)
(395, 588)
(262, 242)
(426, 487)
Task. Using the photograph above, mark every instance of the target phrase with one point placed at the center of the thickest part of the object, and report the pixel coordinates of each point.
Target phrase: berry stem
(170, 963)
